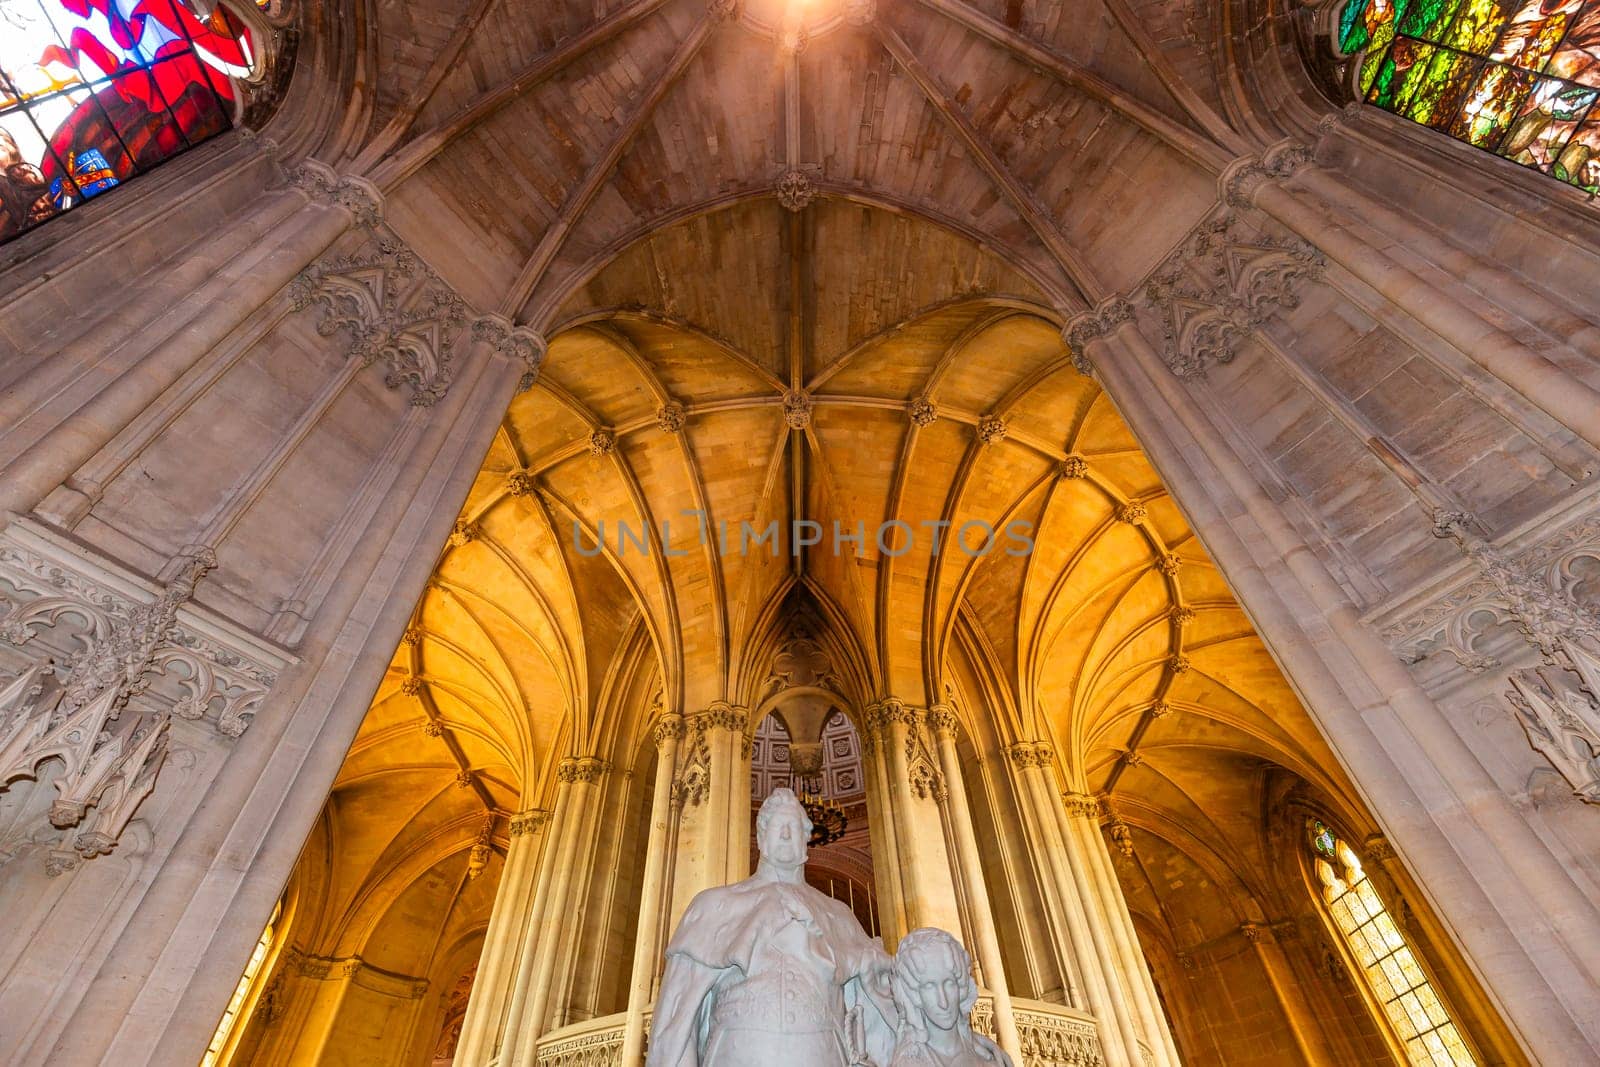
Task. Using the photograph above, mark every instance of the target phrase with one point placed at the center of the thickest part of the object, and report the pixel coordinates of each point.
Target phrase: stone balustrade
(1053, 1035)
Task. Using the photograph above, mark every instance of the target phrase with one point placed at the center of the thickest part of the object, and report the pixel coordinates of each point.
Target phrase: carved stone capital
(585, 769)
(1081, 805)
(522, 346)
(530, 821)
(356, 195)
(721, 715)
(668, 728)
(1377, 849)
(941, 719)
(1089, 326)
(1027, 754)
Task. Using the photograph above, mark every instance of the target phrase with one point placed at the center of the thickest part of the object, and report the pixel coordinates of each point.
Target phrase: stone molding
(1049, 1036)
(99, 662)
(1085, 327)
(359, 972)
(392, 307)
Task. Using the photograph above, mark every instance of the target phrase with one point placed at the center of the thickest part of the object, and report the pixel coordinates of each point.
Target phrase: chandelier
(828, 820)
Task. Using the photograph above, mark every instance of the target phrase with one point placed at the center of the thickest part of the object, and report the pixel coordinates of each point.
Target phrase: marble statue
(769, 972)
(934, 992)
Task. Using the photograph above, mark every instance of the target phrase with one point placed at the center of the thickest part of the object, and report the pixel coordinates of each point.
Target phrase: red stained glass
(94, 92)
(1578, 59)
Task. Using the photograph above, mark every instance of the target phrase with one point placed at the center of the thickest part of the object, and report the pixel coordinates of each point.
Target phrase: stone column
(654, 893)
(1090, 954)
(714, 795)
(512, 1032)
(558, 931)
(893, 920)
(1250, 183)
(942, 723)
(1308, 1035)
(491, 990)
(916, 789)
(1111, 908)
(1488, 873)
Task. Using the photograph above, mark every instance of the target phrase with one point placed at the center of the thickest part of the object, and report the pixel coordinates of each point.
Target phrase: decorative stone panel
(95, 664)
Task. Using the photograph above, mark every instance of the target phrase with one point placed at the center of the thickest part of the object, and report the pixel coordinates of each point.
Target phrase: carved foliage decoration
(1227, 279)
(393, 308)
(102, 668)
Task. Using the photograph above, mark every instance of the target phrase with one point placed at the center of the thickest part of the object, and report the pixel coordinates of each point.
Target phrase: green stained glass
(1477, 25)
(1429, 19)
(1434, 91)
(1515, 77)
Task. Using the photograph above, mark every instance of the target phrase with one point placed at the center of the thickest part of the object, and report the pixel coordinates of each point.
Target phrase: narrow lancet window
(1388, 966)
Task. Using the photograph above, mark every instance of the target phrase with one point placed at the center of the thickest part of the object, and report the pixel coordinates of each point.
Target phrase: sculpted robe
(764, 973)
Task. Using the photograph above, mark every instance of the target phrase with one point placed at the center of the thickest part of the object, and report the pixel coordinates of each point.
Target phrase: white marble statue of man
(769, 972)
(934, 992)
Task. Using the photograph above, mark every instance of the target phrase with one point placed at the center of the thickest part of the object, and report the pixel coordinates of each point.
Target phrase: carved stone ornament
(1073, 467)
(1089, 326)
(519, 345)
(529, 822)
(585, 769)
(1134, 511)
(96, 663)
(1223, 282)
(521, 483)
(797, 409)
(1026, 754)
(393, 308)
(992, 429)
(723, 10)
(671, 417)
(1244, 177)
(356, 195)
(463, 533)
(923, 411)
(1122, 837)
(602, 442)
(1530, 590)
(1082, 805)
(1558, 707)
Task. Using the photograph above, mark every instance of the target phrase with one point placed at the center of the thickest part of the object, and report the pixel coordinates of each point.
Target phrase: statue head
(782, 829)
(933, 985)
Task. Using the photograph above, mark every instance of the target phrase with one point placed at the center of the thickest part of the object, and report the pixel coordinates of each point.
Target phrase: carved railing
(593, 1043)
(1052, 1035)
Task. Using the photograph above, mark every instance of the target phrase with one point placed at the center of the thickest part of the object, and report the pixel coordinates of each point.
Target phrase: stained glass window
(1515, 77)
(1419, 1017)
(94, 92)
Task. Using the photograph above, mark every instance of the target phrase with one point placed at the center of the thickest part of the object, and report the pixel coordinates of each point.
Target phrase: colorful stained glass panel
(94, 92)
(1515, 77)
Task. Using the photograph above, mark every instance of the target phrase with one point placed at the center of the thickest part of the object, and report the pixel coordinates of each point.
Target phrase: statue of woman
(934, 992)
